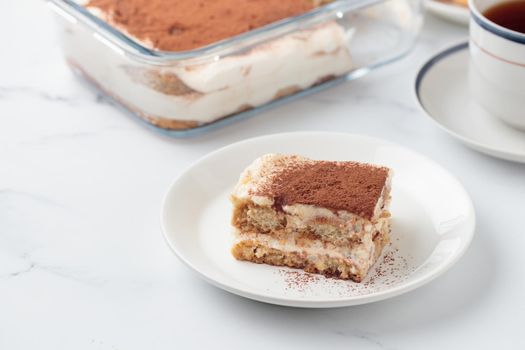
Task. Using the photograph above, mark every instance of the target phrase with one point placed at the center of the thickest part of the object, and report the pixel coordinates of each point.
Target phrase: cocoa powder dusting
(350, 186)
(390, 270)
(299, 280)
(179, 25)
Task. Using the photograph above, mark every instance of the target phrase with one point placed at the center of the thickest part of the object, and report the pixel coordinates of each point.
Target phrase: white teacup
(497, 66)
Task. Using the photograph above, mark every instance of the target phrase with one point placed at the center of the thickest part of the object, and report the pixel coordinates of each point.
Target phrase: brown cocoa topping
(179, 25)
(354, 187)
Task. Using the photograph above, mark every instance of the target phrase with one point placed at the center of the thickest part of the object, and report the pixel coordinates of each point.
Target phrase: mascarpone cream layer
(360, 254)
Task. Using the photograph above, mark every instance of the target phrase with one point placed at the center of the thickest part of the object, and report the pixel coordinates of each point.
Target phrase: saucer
(433, 222)
(442, 91)
(448, 11)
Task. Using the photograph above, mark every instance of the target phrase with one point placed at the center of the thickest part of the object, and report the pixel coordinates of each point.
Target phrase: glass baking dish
(185, 93)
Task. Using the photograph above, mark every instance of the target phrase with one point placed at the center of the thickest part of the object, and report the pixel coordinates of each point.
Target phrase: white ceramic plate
(450, 12)
(433, 222)
(442, 91)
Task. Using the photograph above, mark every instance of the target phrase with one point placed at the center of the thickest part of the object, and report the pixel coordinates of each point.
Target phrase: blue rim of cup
(492, 27)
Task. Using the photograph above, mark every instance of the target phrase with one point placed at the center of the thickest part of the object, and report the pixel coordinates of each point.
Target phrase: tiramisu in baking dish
(324, 217)
(185, 64)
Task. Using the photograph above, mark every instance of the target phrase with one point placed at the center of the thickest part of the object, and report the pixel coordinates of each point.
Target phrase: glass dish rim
(127, 45)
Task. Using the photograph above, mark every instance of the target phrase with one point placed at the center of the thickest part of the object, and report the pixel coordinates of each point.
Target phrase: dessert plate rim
(430, 65)
(466, 235)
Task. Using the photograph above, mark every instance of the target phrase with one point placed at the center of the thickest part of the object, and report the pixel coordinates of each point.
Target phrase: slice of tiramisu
(324, 217)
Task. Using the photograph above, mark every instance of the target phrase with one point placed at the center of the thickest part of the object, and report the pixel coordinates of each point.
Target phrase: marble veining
(6, 192)
(368, 338)
(30, 91)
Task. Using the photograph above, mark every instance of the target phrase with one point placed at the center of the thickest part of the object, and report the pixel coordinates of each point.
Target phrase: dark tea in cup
(508, 14)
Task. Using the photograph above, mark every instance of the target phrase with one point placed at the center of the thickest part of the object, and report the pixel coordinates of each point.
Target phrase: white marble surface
(83, 264)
